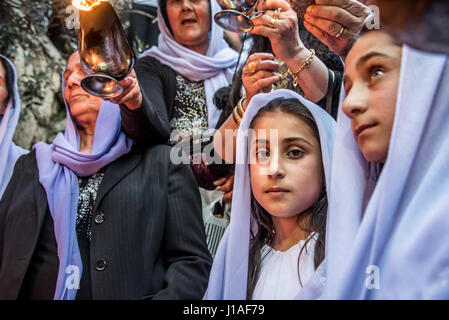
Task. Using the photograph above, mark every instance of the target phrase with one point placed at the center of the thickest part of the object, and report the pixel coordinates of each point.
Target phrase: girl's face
(286, 171)
(371, 82)
(3, 88)
(190, 22)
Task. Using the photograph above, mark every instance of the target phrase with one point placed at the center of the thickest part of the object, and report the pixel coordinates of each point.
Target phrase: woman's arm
(143, 104)
(288, 47)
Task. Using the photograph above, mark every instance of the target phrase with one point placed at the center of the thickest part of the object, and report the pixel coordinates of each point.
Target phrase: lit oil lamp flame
(86, 5)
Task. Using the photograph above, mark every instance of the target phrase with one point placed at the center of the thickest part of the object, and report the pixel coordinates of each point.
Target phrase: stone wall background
(34, 36)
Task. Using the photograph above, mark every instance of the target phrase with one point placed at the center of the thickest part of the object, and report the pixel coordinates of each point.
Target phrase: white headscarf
(398, 247)
(215, 68)
(229, 273)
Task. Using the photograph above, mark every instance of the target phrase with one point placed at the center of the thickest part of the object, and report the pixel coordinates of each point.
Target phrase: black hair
(9, 78)
(163, 8)
(315, 216)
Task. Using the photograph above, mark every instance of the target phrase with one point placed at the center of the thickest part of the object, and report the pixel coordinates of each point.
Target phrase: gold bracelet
(240, 109)
(236, 116)
(304, 65)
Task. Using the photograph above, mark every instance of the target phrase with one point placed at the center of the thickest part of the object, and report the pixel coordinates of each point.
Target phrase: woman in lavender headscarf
(88, 217)
(9, 115)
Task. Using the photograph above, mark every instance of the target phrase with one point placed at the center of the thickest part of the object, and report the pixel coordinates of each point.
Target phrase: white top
(278, 279)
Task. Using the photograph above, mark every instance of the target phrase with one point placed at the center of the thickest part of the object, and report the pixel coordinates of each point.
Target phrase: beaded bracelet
(304, 65)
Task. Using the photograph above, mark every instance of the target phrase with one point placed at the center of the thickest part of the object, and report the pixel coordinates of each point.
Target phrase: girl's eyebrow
(368, 56)
(293, 139)
(362, 60)
(286, 140)
(264, 141)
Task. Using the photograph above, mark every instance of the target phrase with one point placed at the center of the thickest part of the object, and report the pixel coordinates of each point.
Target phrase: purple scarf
(59, 164)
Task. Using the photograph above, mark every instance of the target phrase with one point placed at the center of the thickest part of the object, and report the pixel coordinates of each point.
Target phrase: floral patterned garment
(86, 200)
(190, 130)
(189, 121)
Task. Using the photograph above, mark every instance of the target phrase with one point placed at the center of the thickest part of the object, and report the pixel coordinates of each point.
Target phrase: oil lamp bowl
(106, 55)
(236, 15)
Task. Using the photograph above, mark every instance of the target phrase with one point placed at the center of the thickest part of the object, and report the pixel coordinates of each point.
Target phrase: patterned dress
(190, 131)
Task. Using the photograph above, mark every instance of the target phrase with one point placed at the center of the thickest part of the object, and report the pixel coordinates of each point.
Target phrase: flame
(86, 5)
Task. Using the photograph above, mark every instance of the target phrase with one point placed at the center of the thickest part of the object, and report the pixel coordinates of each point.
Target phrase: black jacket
(152, 238)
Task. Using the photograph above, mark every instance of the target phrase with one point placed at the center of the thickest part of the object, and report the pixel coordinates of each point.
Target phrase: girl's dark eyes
(262, 154)
(295, 153)
(375, 72)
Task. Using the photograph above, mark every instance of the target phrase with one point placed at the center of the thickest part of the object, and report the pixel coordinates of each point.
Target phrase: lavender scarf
(215, 68)
(9, 152)
(229, 272)
(59, 164)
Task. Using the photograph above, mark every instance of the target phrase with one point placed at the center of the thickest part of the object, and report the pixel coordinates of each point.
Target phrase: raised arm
(143, 104)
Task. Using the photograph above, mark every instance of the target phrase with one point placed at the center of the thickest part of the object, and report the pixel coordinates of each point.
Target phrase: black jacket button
(100, 265)
(99, 218)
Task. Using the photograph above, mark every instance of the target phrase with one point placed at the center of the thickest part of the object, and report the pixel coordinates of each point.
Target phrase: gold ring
(272, 23)
(252, 66)
(253, 77)
(276, 13)
(340, 34)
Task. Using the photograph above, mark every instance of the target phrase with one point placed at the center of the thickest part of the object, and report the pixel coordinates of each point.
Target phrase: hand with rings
(259, 74)
(337, 23)
(276, 14)
(279, 23)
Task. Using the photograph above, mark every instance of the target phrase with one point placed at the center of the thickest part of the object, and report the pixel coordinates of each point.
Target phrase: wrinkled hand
(131, 96)
(326, 19)
(283, 33)
(262, 77)
(226, 185)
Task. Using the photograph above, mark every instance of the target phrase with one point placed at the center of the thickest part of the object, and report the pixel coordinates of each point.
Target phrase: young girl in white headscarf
(388, 208)
(276, 238)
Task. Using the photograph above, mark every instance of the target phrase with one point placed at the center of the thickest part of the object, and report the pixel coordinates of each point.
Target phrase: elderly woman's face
(83, 106)
(3, 88)
(190, 21)
(371, 82)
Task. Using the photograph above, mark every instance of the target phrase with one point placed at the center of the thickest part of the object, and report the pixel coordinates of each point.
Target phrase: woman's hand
(131, 96)
(279, 23)
(259, 74)
(226, 185)
(336, 23)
